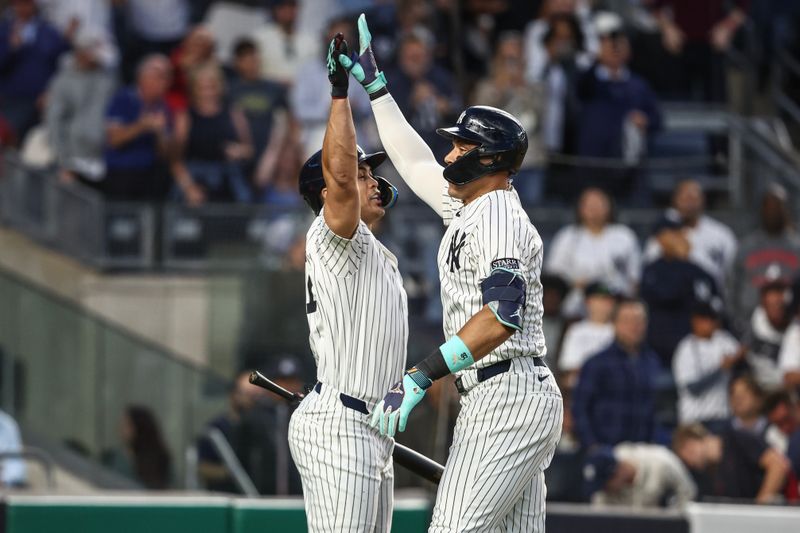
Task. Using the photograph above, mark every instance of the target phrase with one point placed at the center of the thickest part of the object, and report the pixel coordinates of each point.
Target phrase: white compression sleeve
(412, 158)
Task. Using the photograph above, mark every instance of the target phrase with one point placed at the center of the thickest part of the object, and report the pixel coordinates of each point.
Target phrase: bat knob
(253, 377)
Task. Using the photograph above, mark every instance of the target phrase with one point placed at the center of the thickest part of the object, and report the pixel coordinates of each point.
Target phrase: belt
(496, 369)
(348, 401)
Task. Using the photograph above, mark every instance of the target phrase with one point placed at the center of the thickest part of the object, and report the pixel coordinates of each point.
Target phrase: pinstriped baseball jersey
(357, 311)
(492, 231)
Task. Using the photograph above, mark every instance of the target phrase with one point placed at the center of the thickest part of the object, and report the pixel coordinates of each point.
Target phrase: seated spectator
(424, 91)
(783, 412)
(702, 368)
(594, 249)
(143, 455)
(213, 142)
(701, 37)
(737, 464)
(283, 48)
(713, 244)
(507, 89)
(637, 475)
(772, 250)
(76, 105)
(195, 51)
(139, 135)
(310, 97)
(13, 473)
(265, 106)
(151, 28)
(619, 112)
(747, 405)
(590, 335)
(537, 50)
(671, 285)
(210, 467)
(765, 332)
(614, 400)
(29, 52)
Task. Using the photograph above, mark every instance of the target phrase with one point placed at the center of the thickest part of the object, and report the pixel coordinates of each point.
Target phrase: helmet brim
(373, 160)
(462, 134)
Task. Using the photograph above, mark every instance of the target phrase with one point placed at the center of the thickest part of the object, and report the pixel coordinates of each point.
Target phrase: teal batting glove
(402, 397)
(362, 66)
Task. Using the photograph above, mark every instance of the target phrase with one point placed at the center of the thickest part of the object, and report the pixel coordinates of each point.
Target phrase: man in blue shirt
(614, 400)
(138, 135)
(29, 52)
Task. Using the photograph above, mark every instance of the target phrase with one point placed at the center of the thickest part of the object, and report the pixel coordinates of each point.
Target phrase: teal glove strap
(456, 354)
(396, 406)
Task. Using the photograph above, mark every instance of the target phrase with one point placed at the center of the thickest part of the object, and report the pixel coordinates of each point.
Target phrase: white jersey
(493, 231)
(694, 359)
(357, 311)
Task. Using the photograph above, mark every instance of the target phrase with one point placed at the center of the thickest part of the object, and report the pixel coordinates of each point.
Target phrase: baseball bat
(404, 456)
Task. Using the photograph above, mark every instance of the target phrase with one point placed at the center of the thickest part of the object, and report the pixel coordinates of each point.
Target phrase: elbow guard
(504, 293)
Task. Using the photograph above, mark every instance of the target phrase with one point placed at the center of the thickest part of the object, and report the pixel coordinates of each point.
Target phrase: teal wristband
(456, 354)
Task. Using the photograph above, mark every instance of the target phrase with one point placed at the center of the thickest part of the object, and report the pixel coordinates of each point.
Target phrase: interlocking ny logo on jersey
(454, 255)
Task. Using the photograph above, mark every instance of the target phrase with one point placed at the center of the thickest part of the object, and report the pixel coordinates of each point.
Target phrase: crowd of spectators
(123, 94)
(678, 355)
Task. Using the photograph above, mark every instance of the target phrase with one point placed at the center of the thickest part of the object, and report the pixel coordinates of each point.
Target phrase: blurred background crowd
(675, 338)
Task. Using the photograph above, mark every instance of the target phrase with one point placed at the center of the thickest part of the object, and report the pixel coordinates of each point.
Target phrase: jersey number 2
(311, 305)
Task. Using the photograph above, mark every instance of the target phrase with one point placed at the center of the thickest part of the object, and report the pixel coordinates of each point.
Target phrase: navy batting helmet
(311, 181)
(498, 135)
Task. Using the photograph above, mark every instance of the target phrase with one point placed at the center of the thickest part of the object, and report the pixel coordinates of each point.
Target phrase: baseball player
(490, 260)
(358, 321)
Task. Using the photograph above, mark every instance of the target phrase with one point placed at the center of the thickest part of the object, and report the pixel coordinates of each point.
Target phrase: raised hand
(337, 73)
(363, 66)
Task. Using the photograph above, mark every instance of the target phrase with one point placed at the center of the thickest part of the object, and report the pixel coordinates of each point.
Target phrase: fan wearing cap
(702, 367)
(357, 313)
(490, 261)
(637, 475)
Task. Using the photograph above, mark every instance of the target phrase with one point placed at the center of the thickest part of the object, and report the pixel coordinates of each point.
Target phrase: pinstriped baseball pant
(505, 437)
(345, 466)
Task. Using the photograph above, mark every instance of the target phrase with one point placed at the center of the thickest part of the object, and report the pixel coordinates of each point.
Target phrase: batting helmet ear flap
(387, 191)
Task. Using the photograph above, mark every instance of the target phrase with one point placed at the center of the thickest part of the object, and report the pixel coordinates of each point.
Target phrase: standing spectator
(765, 333)
(637, 475)
(772, 250)
(138, 135)
(265, 106)
(424, 91)
(783, 412)
(13, 473)
(77, 18)
(552, 12)
(152, 27)
(700, 35)
(702, 368)
(213, 141)
(713, 244)
(283, 48)
(143, 455)
(195, 51)
(310, 102)
(29, 52)
(506, 89)
(619, 112)
(671, 286)
(589, 336)
(594, 249)
(614, 400)
(739, 464)
(77, 101)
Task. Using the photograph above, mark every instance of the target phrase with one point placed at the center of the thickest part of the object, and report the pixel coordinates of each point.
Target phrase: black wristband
(380, 92)
(434, 366)
(338, 92)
